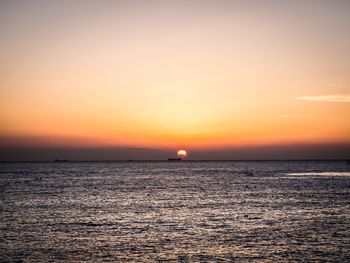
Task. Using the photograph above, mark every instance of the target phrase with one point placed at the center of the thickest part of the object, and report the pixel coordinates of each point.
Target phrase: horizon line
(165, 160)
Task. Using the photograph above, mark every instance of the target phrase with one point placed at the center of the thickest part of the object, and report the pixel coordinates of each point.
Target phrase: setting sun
(182, 153)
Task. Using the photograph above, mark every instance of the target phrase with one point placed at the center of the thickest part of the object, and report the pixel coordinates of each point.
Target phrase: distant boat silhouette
(60, 160)
(174, 159)
(248, 173)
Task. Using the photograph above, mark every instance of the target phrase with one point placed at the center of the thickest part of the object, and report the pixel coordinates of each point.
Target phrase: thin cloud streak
(327, 98)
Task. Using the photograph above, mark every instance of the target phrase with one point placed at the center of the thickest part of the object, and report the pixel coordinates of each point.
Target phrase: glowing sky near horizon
(174, 73)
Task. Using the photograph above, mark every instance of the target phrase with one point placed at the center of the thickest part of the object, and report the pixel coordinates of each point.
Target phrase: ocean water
(217, 211)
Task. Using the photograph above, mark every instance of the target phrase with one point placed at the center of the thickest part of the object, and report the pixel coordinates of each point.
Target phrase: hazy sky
(174, 74)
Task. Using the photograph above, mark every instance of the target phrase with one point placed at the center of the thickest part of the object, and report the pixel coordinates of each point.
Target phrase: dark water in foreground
(183, 211)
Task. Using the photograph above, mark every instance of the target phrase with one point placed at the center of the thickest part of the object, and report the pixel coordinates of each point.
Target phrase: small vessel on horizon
(60, 160)
(174, 159)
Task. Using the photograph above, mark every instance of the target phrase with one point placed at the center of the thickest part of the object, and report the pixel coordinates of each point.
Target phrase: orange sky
(193, 74)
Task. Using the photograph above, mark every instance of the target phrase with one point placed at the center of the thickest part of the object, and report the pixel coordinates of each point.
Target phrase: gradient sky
(174, 74)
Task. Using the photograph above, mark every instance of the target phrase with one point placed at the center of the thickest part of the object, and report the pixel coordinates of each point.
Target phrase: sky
(220, 79)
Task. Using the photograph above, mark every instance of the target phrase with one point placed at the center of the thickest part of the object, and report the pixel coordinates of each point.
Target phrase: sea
(186, 211)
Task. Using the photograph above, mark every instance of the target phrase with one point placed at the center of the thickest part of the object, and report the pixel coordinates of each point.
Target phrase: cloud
(327, 98)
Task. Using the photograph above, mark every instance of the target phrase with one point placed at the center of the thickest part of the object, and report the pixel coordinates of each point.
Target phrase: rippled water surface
(264, 211)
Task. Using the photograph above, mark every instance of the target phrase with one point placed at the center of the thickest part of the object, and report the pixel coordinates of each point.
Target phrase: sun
(182, 153)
